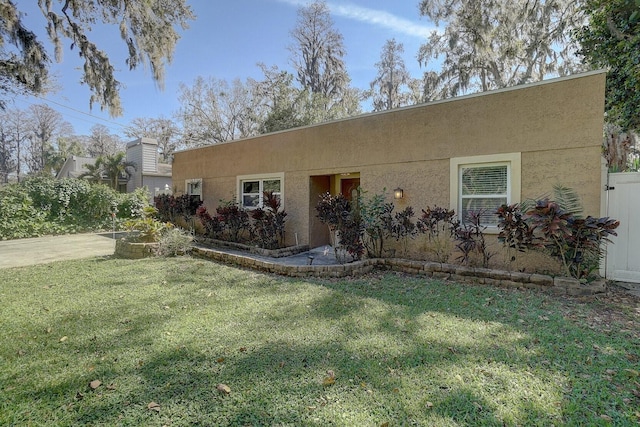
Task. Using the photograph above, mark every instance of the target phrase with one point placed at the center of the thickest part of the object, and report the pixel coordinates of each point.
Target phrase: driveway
(41, 250)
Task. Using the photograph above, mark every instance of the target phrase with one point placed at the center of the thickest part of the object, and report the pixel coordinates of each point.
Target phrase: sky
(226, 41)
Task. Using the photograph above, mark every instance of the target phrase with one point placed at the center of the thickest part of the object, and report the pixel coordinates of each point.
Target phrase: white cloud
(379, 18)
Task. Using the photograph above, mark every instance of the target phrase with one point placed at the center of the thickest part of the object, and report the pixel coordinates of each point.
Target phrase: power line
(121, 126)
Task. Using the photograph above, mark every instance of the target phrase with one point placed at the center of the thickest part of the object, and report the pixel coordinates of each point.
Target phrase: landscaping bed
(502, 278)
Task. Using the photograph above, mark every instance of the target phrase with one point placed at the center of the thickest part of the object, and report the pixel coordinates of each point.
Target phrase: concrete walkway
(41, 250)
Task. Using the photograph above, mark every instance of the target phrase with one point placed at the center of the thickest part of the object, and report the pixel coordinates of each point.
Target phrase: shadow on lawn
(387, 366)
(283, 384)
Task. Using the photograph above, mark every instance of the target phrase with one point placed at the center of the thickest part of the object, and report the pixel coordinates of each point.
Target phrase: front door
(349, 188)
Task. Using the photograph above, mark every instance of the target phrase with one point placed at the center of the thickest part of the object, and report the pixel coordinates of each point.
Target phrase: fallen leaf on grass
(429, 405)
(242, 349)
(95, 384)
(220, 359)
(153, 406)
(223, 388)
(64, 338)
(384, 425)
(328, 381)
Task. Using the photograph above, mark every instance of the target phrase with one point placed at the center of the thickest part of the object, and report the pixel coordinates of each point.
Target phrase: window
(193, 187)
(483, 188)
(484, 183)
(252, 189)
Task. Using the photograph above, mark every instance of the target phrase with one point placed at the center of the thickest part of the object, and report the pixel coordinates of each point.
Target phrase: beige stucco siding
(555, 126)
(577, 168)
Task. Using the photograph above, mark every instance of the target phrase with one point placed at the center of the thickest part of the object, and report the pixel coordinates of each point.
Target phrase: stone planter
(134, 250)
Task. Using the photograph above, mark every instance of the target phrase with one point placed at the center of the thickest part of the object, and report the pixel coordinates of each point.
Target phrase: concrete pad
(41, 250)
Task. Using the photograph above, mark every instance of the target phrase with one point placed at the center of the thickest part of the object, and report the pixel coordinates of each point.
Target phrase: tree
(45, 126)
(65, 147)
(612, 40)
(392, 75)
(317, 54)
(115, 167)
(93, 172)
(165, 131)
(8, 160)
(148, 28)
(282, 105)
(102, 142)
(489, 44)
(23, 70)
(620, 149)
(16, 131)
(112, 167)
(213, 111)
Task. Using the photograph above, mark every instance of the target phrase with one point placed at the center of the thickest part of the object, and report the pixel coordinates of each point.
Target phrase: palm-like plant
(93, 171)
(111, 167)
(116, 166)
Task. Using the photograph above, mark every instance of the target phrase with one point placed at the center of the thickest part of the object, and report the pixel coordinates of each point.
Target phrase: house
(75, 166)
(149, 172)
(514, 143)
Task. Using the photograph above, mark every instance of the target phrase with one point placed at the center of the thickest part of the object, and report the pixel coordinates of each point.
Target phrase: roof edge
(436, 102)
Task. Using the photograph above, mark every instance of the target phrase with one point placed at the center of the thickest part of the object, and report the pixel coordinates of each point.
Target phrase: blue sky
(226, 41)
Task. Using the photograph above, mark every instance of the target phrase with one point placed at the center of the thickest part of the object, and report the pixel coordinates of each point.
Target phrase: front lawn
(189, 342)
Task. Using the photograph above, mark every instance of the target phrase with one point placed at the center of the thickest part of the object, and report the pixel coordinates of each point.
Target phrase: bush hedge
(43, 205)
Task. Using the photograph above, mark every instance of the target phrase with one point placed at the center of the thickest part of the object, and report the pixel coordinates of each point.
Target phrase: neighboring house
(74, 167)
(149, 171)
(469, 152)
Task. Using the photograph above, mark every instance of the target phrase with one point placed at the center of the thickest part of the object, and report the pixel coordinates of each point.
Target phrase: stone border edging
(501, 278)
(272, 253)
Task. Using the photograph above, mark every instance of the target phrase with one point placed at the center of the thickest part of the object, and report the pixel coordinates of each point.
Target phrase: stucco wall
(555, 125)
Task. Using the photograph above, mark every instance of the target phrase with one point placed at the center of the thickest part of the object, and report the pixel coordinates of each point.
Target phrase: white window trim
(259, 177)
(188, 182)
(514, 174)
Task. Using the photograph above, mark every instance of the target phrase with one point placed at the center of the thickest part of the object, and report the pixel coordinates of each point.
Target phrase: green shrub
(18, 216)
(146, 228)
(42, 205)
(132, 205)
(376, 215)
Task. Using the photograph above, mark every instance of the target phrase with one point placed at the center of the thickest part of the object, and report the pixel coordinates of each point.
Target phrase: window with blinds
(483, 188)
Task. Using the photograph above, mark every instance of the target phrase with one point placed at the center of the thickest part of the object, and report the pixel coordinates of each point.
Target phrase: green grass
(404, 350)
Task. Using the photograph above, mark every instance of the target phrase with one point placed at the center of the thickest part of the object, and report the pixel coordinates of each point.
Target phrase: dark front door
(349, 187)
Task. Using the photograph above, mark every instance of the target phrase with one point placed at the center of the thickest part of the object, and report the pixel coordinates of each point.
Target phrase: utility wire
(121, 126)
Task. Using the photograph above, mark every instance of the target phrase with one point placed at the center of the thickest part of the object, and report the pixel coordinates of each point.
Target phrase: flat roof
(408, 107)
